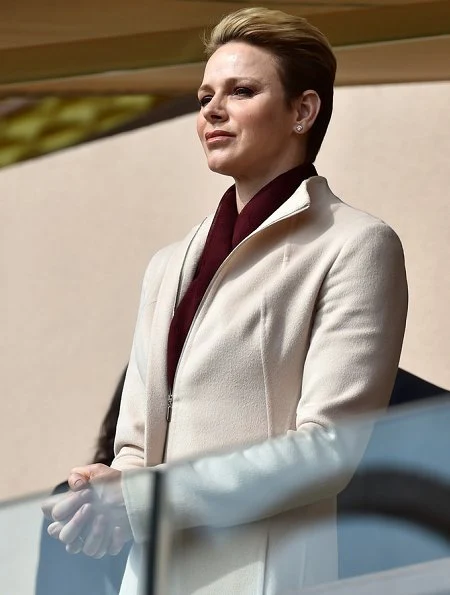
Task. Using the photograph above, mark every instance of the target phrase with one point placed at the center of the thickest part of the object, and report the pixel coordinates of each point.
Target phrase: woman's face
(244, 123)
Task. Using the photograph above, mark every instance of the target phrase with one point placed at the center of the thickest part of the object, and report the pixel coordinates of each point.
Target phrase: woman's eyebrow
(204, 88)
(230, 82)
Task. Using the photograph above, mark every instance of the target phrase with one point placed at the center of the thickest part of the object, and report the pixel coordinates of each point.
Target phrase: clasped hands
(91, 517)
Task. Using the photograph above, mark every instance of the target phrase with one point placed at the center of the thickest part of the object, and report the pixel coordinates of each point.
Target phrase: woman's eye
(243, 91)
(204, 100)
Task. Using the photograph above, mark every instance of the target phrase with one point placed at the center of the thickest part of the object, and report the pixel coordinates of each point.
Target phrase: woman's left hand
(92, 517)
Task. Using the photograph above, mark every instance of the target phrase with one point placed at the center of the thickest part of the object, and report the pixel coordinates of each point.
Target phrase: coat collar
(182, 265)
(187, 253)
(298, 202)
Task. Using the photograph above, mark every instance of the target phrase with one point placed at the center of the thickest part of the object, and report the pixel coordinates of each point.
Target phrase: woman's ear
(307, 108)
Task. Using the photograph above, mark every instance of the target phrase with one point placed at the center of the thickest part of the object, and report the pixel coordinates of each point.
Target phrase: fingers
(76, 547)
(54, 529)
(79, 477)
(50, 502)
(67, 507)
(90, 519)
(117, 542)
(84, 533)
(94, 537)
(78, 481)
(77, 524)
(99, 537)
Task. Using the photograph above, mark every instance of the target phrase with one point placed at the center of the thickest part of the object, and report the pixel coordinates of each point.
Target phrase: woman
(268, 323)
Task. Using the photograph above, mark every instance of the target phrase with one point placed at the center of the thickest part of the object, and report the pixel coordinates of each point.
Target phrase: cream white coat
(301, 326)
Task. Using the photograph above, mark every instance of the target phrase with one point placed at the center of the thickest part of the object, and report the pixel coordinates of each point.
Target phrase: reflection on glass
(392, 515)
(197, 515)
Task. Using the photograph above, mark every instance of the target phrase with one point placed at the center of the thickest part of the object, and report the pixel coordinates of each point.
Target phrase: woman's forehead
(239, 60)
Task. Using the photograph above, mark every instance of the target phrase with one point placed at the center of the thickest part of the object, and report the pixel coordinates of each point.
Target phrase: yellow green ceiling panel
(39, 126)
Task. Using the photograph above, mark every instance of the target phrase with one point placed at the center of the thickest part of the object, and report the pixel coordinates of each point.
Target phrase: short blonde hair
(303, 53)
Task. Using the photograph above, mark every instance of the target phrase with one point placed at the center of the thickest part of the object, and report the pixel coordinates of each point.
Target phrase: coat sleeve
(355, 345)
(358, 329)
(129, 441)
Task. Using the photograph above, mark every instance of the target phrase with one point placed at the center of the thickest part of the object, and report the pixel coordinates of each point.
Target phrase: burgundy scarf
(228, 229)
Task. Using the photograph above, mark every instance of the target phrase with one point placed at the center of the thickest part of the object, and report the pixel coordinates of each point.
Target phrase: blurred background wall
(79, 226)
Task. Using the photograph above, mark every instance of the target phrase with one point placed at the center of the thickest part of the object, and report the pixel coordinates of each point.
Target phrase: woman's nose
(215, 111)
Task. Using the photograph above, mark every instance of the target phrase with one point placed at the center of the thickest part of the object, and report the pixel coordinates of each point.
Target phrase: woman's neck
(247, 188)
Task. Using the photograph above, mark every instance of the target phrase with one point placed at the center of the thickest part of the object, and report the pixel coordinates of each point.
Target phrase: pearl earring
(299, 128)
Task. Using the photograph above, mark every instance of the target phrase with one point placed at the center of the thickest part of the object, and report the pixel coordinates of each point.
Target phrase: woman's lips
(217, 136)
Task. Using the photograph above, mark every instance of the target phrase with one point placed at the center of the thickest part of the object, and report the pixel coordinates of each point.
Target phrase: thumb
(79, 477)
(77, 481)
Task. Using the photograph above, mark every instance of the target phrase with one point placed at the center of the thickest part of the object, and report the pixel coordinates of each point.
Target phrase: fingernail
(52, 529)
(78, 483)
(82, 509)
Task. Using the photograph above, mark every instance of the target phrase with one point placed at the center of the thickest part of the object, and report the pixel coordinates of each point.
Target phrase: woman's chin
(221, 167)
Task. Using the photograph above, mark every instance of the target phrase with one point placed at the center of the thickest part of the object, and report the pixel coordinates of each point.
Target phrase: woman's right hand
(91, 518)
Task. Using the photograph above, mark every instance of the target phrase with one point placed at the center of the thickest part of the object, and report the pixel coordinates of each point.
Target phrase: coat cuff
(138, 494)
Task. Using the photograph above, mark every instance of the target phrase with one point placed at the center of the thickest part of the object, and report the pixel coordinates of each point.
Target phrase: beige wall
(387, 152)
(78, 229)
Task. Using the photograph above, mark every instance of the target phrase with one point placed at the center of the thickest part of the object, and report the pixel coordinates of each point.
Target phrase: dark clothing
(409, 388)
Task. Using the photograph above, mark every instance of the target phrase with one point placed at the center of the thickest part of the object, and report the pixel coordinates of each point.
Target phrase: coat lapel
(179, 273)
